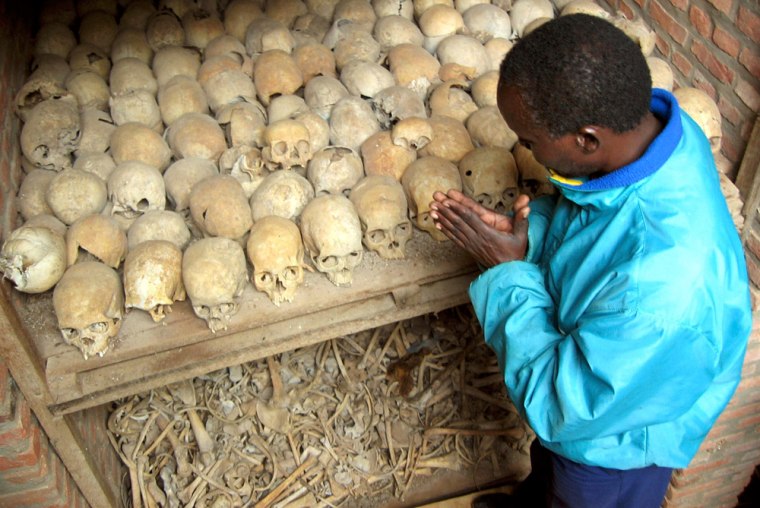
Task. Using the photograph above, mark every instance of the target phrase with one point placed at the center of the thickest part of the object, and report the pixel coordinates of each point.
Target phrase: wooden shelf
(433, 277)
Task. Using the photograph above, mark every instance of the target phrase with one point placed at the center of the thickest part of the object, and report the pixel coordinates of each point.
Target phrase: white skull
(365, 79)
(244, 122)
(51, 133)
(319, 129)
(33, 258)
(89, 303)
(451, 99)
(485, 21)
(89, 88)
(31, 199)
(135, 141)
(214, 274)
(661, 72)
(394, 29)
(219, 207)
(181, 177)
(382, 156)
(164, 29)
(265, 34)
(91, 58)
(332, 235)
(412, 132)
(97, 128)
(464, 50)
(438, 22)
(497, 48)
(136, 106)
(73, 193)
(99, 164)
(523, 12)
(153, 278)
(196, 135)
(421, 180)
(173, 61)
(275, 249)
(381, 204)
(159, 225)
(45, 82)
(450, 140)
(134, 188)
(227, 87)
(358, 45)
(322, 92)
(131, 43)
(487, 127)
(489, 176)
(393, 7)
(245, 164)
(483, 89)
(352, 121)
(334, 170)
(99, 236)
(397, 103)
(413, 67)
(287, 144)
(703, 110)
(129, 74)
(282, 193)
(638, 31)
(286, 106)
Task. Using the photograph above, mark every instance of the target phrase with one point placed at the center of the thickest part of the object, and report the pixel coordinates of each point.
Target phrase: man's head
(574, 78)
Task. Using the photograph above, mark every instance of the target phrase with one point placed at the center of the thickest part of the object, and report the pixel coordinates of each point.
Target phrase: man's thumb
(520, 227)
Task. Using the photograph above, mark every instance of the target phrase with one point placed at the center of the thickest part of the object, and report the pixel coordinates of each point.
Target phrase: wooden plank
(98, 385)
(18, 352)
(747, 179)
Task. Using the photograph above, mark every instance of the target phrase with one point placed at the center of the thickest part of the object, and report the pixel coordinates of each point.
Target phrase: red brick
(17, 429)
(749, 94)
(22, 476)
(662, 46)
(27, 452)
(640, 3)
(726, 42)
(682, 63)
(681, 5)
(723, 6)
(751, 61)
(43, 493)
(729, 112)
(661, 17)
(749, 23)
(625, 10)
(700, 20)
(707, 58)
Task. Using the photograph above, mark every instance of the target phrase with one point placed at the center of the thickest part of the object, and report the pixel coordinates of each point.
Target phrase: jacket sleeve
(617, 371)
(541, 211)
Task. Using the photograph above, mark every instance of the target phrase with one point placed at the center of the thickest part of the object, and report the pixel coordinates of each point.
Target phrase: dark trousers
(556, 482)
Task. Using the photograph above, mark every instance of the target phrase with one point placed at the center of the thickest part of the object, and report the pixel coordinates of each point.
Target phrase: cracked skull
(153, 278)
(33, 258)
(334, 170)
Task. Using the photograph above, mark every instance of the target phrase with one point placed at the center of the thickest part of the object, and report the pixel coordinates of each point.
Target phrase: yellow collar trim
(562, 179)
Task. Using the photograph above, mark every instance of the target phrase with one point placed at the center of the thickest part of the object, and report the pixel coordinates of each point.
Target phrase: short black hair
(579, 70)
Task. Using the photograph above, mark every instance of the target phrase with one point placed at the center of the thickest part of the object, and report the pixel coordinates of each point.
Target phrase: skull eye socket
(142, 205)
(302, 146)
(509, 194)
(403, 229)
(227, 308)
(376, 236)
(280, 148)
(532, 185)
(328, 261)
(290, 273)
(203, 311)
(100, 327)
(265, 278)
(484, 199)
(346, 192)
(41, 151)
(70, 334)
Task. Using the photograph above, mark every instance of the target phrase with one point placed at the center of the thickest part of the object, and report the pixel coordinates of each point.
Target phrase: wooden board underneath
(434, 276)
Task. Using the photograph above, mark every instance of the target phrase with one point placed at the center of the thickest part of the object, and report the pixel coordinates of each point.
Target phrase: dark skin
(592, 151)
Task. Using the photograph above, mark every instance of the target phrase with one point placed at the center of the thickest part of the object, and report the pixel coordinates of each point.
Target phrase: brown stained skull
(450, 140)
(244, 122)
(322, 92)
(214, 274)
(413, 133)
(134, 141)
(153, 278)
(97, 128)
(136, 106)
(74, 193)
(130, 74)
(382, 156)
(489, 176)
(450, 98)
(98, 235)
(487, 127)
(180, 95)
(31, 200)
(276, 72)
(51, 133)
(276, 251)
(281, 193)
(287, 144)
(397, 103)
(135, 188)
(181, 177)
(33, 258)
(352, 121)
(332, 236)
(196, 135)
(421, 180)
(164, 225)
(131, 43)
(89, 305)
(334, 170)
(381, 204)
(219, 207)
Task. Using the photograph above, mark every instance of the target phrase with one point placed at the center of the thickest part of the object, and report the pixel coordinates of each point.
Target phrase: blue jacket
(622, 335)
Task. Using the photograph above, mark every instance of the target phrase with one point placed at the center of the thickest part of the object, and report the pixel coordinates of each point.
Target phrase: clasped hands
(490, 237)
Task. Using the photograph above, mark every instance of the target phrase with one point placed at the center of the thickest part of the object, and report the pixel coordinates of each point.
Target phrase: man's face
(563, 154)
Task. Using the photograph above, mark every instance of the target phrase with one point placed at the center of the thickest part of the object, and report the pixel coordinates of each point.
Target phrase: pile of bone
(167, 140)
(352, 420)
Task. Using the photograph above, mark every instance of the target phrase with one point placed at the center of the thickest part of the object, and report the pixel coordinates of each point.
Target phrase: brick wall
(714, 45)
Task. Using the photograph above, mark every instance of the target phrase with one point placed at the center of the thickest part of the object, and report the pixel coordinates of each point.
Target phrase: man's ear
(587, 139)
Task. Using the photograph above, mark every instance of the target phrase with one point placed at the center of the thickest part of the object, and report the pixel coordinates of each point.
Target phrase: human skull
(322, 92)
(56, 11)
(228, 45)
(180, 95)
(31, 199)
(196, 135)
(661, 72)
(51, 133)
(703, 110)
(489, 176)
(244, 122)
(286, 145)
(352, 121)
(173, 61)
(356, 11)
(413, 133)
(238, 15)
(487, 127)
(438, 22)
(47, 81)
(282, 193)
(450, 140)
(334, 170)
(129, 74)
(413, 67)
(216, 64)
(485, 21)
(265, 34)
(200, 27)
(394, 29)
(134, 188)
(275, 249)
(99, 164)
(219, 207)
(356, 45)
(90, 58)
(421, 180)
(276, 72)
(73, 193)
(131, 43)
(465, 51)
(164, 225)
(393, 7)
(153, 278)
(382, 156)
(33, 258)
(96, 127)
(454, 71)
(319, 129)
(99, 236)
(314, 59)
(397, 103)
(55, 38)
(89, 89)
(227, 87)
(421, 6)
(534, 177)
(332, 235)
(311, 28)
(214, 274)
(381, 204)
(638, 31)
(497, 48)
(523, 12)
(450, 99)
(88, 303)
(245, 164)
(135, 141)
(483, 89)
(136, 106)
(98, 28)
(163, 29)
(181, 177)
(286, 106)
(365, 79)
(136, 14)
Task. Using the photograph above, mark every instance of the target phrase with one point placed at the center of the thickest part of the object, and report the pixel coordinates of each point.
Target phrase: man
(619, 310)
